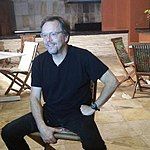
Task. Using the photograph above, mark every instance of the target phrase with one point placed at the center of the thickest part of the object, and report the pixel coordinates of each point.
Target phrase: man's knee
(10, 131)
(6, 132)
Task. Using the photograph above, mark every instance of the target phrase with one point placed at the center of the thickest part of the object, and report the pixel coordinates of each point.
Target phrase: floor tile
(127, 143)
(116, 130)
(108, 116)
(135, 114)
(146, 139)
(141, 127)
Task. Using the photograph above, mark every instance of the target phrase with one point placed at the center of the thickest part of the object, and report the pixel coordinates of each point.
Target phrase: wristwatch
(94, 106)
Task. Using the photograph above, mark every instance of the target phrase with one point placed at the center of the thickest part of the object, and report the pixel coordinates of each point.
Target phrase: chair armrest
(129, 64)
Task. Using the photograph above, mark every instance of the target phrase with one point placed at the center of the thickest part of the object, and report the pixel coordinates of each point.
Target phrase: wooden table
(5, 55)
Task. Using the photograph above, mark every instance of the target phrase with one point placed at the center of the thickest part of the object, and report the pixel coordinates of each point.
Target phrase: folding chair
(124, 59)
(20, 75)
(141, 53)
(65, 134)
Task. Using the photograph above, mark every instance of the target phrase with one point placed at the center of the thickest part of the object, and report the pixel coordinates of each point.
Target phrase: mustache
(50, 43)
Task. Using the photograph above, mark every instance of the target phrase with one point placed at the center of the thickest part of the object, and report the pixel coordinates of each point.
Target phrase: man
(62, 74)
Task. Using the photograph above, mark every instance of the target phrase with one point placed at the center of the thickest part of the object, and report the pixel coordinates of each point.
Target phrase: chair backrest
(29, 51)
(1, 45)
(120, 50)
(26, 37)
(141, 53)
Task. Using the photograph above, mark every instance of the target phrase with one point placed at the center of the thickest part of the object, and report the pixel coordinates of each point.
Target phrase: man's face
(53, 37)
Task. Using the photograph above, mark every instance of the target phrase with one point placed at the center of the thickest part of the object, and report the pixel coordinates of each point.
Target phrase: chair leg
(134, 89)
(23, 85)
(129, 76)
(48, 147)
(12, 82)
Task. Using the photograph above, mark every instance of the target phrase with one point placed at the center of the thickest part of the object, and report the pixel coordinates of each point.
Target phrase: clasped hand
(86, 110)
(47, 134)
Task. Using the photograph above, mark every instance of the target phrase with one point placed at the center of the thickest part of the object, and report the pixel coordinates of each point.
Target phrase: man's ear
(66, 38)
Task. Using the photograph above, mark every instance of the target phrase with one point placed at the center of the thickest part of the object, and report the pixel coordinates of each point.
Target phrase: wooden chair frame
(141, 53)
(124, 59)
(65, 134)
(24, 68)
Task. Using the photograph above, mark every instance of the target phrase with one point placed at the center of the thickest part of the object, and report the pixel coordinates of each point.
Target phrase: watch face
(94, 106)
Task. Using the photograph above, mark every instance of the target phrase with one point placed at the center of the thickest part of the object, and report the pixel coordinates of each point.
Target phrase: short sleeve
(35, 74)
(95, 67)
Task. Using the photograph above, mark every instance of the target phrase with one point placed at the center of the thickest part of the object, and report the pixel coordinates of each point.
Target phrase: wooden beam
(9, 98)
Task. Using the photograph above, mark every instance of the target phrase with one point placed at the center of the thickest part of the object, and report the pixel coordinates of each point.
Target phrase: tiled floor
(124, 123)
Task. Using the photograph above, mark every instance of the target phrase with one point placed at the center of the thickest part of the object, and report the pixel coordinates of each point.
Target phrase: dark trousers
(13, 133)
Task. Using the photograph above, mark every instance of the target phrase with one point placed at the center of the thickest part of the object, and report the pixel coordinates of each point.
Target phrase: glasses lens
(51, 34)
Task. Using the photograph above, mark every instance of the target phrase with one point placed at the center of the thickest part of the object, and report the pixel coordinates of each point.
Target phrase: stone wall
(29, 13)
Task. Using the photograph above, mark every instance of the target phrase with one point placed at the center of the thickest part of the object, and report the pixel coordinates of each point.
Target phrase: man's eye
(53, 34)
(44, 35)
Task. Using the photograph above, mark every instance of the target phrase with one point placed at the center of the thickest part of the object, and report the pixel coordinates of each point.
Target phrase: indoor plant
(147, 12)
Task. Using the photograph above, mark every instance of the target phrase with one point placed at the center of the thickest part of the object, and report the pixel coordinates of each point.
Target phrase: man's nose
(49, 38)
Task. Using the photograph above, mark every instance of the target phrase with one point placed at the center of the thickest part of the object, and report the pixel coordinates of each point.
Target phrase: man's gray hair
(64, 25)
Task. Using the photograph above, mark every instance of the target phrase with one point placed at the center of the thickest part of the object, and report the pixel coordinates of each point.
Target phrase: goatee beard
(55, 53)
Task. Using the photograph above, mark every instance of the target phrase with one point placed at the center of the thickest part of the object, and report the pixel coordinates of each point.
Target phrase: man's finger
(57, 130)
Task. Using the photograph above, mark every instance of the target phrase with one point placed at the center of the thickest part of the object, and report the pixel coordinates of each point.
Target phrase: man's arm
(110, 84)
(46, 132)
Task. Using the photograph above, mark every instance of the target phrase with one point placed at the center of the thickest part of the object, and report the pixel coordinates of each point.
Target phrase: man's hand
(47, 134)
(86, 110)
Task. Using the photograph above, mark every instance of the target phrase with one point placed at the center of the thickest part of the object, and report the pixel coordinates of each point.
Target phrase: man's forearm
(37, 112)
(111, 83)
(106, 93)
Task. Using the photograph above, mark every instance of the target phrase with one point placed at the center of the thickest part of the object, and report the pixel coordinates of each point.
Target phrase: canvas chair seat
(65, 134)
(24, 69)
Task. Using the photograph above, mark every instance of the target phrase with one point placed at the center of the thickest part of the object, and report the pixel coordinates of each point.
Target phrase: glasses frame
(50, 34)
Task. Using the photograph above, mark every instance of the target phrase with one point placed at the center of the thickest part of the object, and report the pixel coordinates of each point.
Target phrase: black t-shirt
(67, 86)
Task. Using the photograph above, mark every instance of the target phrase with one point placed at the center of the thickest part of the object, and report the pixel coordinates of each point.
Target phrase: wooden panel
(108, 15)
(144, 37)
(115, 14)
(6, 17)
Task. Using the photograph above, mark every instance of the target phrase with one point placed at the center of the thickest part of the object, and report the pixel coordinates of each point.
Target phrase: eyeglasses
(51, 34)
